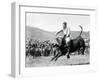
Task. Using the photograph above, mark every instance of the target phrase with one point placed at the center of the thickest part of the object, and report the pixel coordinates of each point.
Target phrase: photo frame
(19, 12)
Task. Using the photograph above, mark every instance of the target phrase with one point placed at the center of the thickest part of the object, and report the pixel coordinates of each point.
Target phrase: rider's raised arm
(68, 32)
(59, 32)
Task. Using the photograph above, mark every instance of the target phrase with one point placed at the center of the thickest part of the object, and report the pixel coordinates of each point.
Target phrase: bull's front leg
(68, 53)
(54, 57)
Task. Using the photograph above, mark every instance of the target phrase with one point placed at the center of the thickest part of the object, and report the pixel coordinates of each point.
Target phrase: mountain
(74, 34)
(42, 35)
(39, 34)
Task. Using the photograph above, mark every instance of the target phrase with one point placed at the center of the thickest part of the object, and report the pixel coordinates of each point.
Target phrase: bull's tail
(81, 30)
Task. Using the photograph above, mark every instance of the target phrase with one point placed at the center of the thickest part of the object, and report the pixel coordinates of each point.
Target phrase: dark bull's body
(77, 44)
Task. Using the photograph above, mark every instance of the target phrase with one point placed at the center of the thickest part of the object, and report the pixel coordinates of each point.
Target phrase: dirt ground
(62, 61)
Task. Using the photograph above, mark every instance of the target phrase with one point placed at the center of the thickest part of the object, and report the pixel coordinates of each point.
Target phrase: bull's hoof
(68, 56)
(82, 54)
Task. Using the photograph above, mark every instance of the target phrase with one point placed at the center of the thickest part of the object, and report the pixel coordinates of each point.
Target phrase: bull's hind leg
(82, 50)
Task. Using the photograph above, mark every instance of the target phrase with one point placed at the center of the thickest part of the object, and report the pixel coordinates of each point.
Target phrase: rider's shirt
(64, 32)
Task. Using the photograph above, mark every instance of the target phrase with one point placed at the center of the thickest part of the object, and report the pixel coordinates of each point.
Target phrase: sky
(53, 22)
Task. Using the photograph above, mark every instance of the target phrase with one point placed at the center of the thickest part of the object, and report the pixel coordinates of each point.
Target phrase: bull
(77, 44)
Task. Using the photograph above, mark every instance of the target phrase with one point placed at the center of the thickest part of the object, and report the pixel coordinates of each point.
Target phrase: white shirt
(64, 32)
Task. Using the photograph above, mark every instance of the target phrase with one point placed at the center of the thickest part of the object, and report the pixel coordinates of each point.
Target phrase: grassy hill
(39, 34)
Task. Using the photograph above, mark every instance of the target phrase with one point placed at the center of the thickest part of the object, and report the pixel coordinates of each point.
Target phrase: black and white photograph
(54, 39)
